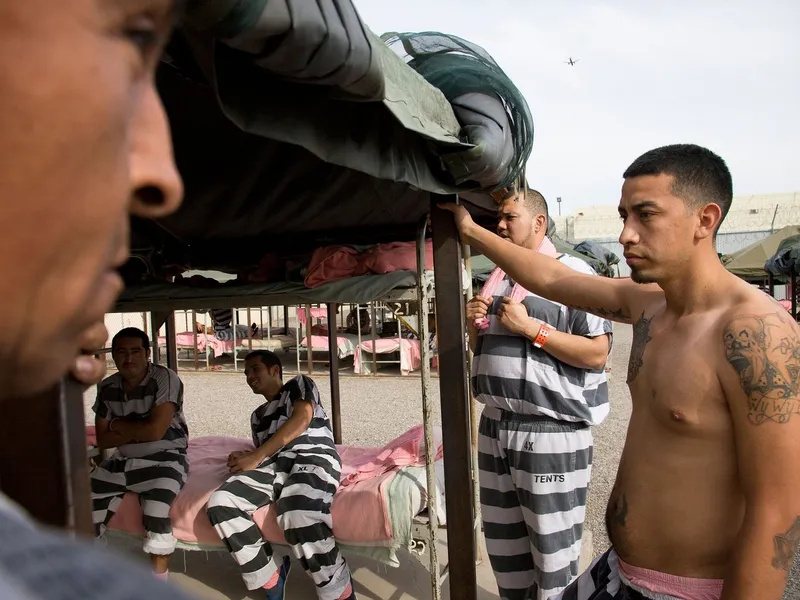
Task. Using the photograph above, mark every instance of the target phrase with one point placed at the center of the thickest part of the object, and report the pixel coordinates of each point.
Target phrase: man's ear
(708, 220)
(541, 223)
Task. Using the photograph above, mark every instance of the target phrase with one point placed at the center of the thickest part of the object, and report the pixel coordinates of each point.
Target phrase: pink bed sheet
(360, 514)
(410, 354)
(320, 342)
(186, 340)
(316, 313)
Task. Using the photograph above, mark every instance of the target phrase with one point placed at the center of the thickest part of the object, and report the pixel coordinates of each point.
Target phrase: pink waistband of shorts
(684, 588)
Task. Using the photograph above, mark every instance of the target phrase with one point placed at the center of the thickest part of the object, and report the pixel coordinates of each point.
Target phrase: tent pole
(49, 480)
(336, 405)
(454, 400)
(427, 424)
(473, 419)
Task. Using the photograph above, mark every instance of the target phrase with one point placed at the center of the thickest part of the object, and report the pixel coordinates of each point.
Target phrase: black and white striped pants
(157, 479)
(301, 482)
(534, 476)
(602, 581)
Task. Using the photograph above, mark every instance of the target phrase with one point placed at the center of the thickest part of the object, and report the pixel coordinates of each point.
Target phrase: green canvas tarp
(749, 262)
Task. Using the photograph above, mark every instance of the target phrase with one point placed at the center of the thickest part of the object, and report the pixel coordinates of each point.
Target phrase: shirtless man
(707, 498)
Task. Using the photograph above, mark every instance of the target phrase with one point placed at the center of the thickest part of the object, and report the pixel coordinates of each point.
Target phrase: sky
(722, 74)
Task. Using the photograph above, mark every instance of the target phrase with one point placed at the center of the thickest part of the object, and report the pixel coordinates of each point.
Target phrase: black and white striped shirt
(160, 385)
(511, 374)
(270, 416)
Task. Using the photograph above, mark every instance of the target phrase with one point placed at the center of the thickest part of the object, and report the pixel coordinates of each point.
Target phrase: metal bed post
(234, 319)
(454, 400)
(205, 333)
(296, 335)
(473, 418)
(194, 329)
(430, 451)
(359, 348)
(249, 332)
(309, 341)
(49, 480)
(336, 405)
(771, 284)
(374, 332)
(167, 319)
(286, 324)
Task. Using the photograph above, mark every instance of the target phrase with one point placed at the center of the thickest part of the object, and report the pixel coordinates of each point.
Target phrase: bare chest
(672, 374)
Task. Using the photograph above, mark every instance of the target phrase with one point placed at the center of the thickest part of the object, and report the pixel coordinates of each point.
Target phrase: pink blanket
(186, 340)
(316, 313)
(344, 345)
(360, 514)
(518, 292)
(404, 451)
(410, 355)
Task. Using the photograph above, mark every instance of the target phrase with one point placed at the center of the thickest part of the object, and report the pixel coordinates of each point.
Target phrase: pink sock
(273, 581)
(347, 591)
(163, 576)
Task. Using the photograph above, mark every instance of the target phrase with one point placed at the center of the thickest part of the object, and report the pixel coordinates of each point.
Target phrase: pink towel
(407, 450)
(518, 293)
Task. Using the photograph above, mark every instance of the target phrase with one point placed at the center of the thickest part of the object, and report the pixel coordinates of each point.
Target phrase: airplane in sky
(571, 62)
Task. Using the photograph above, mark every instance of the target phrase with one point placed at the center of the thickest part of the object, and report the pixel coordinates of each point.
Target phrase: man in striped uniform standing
(139, 411)
(539, 371)
(295, 465)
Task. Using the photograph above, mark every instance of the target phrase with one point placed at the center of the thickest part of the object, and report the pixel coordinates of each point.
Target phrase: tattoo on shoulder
(786, 546)
(614, 315)
(641, 335)
(765, 351)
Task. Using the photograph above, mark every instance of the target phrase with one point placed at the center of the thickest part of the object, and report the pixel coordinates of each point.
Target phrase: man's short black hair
(270, 359)
(130, 333)
(533, 200)
(700, 176)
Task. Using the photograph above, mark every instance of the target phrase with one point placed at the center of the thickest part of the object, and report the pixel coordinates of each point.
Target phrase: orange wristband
(541, 337)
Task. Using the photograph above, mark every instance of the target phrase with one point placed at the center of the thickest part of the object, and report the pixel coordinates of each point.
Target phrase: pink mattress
(360, 514)
(186, 340)
(410, 356)
(345, 344)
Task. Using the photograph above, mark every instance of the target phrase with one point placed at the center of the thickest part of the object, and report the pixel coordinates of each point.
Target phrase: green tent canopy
(748, 263)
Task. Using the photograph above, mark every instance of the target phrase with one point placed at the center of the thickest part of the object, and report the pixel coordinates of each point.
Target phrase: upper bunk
(298, 130)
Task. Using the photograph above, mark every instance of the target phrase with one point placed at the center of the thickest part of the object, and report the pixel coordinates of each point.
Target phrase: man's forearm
(532, 270)
(762, 560)
(472, 332)
(575, 350)
(286, 434)
(113, 439)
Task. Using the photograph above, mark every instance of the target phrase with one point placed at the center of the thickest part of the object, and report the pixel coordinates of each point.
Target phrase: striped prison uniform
(535, 445)
(603, 581)
(156, 471)
(301, 479)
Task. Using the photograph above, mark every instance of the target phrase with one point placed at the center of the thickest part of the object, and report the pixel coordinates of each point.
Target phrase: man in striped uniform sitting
(139, 411)
(539, 371)
(295, 465)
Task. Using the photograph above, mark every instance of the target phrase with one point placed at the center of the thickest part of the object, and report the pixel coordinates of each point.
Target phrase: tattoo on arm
(765, 351)
(786, 546)
(641, 335)
(618, 315)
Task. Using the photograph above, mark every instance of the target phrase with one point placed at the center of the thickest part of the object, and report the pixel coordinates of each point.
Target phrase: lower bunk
(379, 508)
